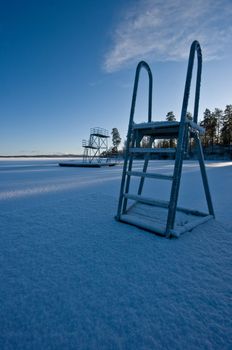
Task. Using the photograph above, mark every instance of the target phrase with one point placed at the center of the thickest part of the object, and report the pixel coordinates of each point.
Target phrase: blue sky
(67, 66)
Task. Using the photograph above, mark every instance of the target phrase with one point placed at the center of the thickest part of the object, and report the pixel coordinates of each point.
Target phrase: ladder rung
(150, 175)
(133, 220)
(151, 150)
(157, 203)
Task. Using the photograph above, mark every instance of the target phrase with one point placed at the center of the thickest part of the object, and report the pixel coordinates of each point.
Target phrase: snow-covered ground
(74, 278)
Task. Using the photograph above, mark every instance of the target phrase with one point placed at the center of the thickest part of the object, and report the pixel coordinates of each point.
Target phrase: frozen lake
(74, 278)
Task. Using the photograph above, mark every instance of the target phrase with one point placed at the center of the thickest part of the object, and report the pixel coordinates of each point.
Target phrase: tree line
(217, 125)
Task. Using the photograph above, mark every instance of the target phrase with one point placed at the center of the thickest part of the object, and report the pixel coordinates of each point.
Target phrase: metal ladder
(183, 131)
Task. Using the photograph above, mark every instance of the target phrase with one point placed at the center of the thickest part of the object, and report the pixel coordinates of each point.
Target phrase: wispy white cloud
(163, 30)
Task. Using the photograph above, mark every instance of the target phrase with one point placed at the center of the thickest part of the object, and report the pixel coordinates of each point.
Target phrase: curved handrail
(182, 142)
(195, 47)
(141, 64)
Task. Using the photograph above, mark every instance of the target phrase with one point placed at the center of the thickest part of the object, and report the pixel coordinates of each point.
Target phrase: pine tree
(205, 124)
(189, 116)
(210, 124)
(170, 117)
(116, 139)
(218, 117)
(226, 131)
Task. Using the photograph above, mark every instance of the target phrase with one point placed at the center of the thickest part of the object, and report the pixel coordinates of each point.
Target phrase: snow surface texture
(74, 278)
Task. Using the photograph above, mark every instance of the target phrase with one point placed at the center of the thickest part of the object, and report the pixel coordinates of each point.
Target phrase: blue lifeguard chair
(163, 217)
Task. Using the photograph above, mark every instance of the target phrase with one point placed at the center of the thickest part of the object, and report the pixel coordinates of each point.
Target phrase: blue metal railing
(195, 48)
(141, 65)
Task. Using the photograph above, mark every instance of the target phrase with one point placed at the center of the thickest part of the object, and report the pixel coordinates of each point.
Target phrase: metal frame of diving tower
(97, 143)
(171, 220)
